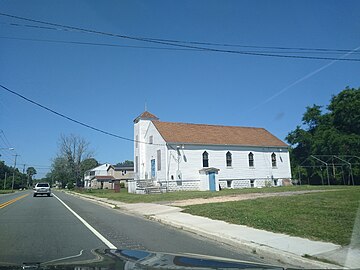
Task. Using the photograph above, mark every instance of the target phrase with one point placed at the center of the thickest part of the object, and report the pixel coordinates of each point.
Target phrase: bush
(70, 185)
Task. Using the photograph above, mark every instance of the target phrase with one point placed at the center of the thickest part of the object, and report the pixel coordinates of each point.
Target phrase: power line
(98, 44)
(35, 165)
(155, 48)
(306, 50)
(156, 41)
(4, 139)
(72, 119)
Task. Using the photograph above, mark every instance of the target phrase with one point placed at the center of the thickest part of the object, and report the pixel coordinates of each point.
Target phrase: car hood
(140, 259)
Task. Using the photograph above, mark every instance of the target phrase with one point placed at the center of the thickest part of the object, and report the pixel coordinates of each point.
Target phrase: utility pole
(23, 173)
(5, 180)
(13, 180)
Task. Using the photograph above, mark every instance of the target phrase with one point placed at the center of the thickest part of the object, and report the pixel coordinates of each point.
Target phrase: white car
(41, 189)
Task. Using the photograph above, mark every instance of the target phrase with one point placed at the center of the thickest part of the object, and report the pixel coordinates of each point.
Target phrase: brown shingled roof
(216, 135)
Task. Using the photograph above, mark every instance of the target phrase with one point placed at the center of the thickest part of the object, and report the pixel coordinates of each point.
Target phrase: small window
(273, 160)
(252, 182)
(251, 159)
(136, 164)
(158, 160)
(151, 139)
(137, 141)
(205, 157)
(228, 159)
(228, 183)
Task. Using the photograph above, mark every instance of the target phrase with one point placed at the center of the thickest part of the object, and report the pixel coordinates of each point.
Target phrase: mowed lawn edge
(324, 216)
(124, 196)
(6, 191)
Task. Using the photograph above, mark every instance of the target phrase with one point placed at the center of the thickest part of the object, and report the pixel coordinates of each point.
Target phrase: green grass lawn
(126, 197)
(326, 216)
(6, 191)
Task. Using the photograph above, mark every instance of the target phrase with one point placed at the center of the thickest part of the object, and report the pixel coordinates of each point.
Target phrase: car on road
(42, 189)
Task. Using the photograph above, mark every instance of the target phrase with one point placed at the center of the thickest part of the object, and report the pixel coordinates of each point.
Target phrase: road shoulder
(286, 249)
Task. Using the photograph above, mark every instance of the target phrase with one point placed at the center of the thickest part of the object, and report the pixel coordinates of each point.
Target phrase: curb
(259, 249)
(99, 201)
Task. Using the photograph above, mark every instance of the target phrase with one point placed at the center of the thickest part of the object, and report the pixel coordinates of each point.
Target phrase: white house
(90, 175)
(181, 156)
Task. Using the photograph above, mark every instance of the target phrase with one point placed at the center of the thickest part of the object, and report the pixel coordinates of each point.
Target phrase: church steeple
(145, 116)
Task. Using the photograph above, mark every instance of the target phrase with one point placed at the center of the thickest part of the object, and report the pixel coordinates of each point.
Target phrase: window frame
(136, 164)
(205, 159)
(273, 160)
(158, 157)
(251, 160)
(228, 159)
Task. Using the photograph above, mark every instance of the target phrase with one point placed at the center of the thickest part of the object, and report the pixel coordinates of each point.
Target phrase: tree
(312, 117)
(30, 171)
(18, 179)
(345, 111)
(88, 164)
(126, 163)
(68, 166)
(335, 132)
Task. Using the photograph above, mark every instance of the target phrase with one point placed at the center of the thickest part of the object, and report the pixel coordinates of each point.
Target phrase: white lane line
(87, 225)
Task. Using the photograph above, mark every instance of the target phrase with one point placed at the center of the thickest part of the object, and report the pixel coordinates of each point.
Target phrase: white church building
(180, 156)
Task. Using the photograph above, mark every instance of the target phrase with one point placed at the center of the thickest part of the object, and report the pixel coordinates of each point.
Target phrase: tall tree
(335, 132)
(88, 164)
(67, 166)
(30, 171)
(19, 178)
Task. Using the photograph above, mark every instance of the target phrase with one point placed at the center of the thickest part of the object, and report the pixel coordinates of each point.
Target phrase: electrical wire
(72, 119)
(98, 44)
(306, 50)
(177, 44)
(149, 47)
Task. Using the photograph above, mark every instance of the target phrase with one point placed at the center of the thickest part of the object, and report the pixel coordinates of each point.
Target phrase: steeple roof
(146, 116)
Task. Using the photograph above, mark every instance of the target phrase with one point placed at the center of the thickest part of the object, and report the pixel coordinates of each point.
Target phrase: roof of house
(103, 177)
(121, 168)
(146, 116)
(216, 135)
(100, 167)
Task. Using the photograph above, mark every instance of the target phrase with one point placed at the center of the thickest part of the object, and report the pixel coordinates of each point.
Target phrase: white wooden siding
(147, 152)
(187, 159)
(191, 162)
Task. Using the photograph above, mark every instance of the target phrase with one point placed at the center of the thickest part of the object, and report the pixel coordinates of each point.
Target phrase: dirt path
(241, 197)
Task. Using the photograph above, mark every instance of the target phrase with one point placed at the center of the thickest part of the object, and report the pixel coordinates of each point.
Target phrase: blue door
(153, 168)
(212, 181)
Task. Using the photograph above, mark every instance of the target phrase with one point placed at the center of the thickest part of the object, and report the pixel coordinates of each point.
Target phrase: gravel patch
(240, 197)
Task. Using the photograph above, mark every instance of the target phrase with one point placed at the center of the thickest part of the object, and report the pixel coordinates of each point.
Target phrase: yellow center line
(12, 201)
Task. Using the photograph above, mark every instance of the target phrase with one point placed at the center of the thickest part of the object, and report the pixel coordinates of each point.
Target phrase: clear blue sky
(107, 86)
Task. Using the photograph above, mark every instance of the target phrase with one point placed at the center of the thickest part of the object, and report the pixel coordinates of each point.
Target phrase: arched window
(205, 157)
(251, 159)
(273, 159)
(228, 159)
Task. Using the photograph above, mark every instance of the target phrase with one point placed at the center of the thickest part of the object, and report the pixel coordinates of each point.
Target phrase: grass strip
(326, 216)
(126, 197)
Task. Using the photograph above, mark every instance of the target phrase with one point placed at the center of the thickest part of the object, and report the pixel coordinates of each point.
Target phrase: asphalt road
(42, 229)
